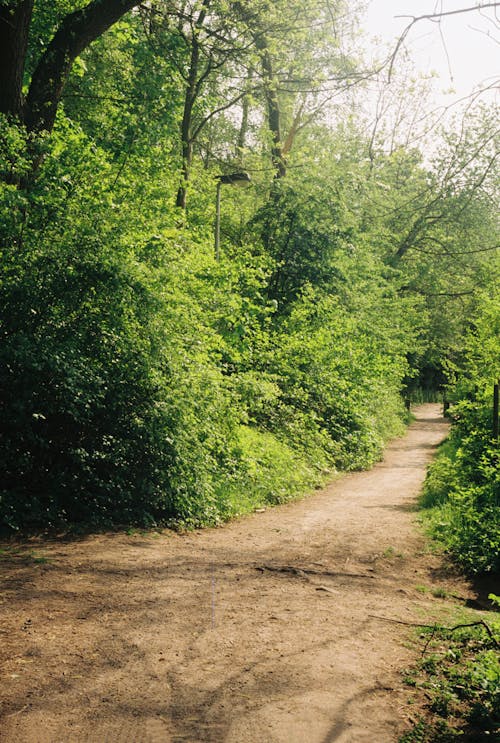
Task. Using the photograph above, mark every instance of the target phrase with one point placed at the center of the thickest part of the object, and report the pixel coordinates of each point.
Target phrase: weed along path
(271, 629)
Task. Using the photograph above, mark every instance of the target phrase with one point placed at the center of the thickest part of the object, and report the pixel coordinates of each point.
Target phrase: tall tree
(302, 64)
(76, 31)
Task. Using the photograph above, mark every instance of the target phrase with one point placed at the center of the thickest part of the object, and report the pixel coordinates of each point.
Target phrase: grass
(390, 552)
(421, 395)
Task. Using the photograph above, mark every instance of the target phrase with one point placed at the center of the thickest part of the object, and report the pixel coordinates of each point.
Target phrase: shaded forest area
(147, 378)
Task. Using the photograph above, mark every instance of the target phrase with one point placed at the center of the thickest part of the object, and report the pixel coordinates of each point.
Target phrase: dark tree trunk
(186, 125)
(187, 158)
(15, 19)
(273, 106)
(192, 91)
(77, 31)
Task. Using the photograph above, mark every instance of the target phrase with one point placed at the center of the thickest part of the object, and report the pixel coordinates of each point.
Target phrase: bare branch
(216, 111)
(434, 17)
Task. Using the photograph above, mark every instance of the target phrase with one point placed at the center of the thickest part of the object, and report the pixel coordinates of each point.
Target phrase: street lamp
(238, 180)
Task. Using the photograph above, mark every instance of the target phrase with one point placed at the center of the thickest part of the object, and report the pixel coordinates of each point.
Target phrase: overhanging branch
(76, 32)
(431, 17)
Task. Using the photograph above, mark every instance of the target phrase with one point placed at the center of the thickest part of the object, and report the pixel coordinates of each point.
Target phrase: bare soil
(270, 629)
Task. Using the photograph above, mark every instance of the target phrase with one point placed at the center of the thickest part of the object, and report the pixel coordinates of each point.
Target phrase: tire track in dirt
(263, 630)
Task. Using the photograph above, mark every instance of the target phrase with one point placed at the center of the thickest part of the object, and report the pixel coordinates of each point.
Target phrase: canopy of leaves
(144, 381)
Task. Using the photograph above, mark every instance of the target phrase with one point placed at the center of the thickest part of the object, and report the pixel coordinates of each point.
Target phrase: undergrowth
(459, 675)
(461, 495)
(420, 395)
(270, 473)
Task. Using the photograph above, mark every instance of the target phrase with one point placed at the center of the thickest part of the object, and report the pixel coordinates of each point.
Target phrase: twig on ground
(436, 627)
(304, 572)
(429, 640)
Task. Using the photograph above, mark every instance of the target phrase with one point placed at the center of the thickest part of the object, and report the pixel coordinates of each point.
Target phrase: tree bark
(186, 124)
(192, 92)
(15, 19)
(76, 32)
(270, 84)
(243, 130)
(273, 105)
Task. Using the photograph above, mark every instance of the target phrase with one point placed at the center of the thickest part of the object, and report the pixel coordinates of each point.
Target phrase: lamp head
(240, 180)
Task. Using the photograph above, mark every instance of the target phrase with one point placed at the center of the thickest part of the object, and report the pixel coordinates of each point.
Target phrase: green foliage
(419, 395)
(266, 472)
(328, 365)
(463, 485)
(440, 481)
(463, 492)
(300, 231)
(141, 381)
(460, 675)
(110, 413)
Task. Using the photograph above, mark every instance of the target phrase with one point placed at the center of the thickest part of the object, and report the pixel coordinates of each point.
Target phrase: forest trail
(270, 629)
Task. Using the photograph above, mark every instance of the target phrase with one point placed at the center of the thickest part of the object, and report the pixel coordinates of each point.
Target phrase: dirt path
(267, 630)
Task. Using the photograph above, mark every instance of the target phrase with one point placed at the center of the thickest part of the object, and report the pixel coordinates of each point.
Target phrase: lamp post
(238, 180)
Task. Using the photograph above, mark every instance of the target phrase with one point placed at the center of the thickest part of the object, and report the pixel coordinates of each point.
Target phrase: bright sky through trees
(463, 49)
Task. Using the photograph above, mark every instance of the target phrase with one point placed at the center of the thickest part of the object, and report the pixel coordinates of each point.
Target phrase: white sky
(463, 49)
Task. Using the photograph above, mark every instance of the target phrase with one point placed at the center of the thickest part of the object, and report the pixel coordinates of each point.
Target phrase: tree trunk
(186, 139)
(273, 106)
(15, 19)
(192, 91)
(187, 158)
(76, 32)
(243, 130)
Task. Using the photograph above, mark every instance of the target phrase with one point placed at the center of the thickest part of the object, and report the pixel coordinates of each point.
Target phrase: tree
(76, 31)
(202, 42)
(301, 65)
(436, 226)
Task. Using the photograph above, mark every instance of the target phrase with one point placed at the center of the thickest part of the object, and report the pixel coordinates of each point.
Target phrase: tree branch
(430, 17)
(76, 32)
(216, 111)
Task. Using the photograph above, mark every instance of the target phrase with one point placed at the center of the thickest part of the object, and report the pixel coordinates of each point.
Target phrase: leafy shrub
(266, 472)
(141, 381)
(464, 491)
(460, 675)
(440, 481)
(109, 411)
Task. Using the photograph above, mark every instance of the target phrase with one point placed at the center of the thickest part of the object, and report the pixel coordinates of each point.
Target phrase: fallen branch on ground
(304, 572)
(442, 628)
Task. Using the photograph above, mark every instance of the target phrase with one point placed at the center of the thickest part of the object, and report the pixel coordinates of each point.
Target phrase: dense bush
(110, 412)
(141, 381)
(463, 485)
